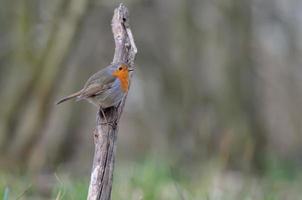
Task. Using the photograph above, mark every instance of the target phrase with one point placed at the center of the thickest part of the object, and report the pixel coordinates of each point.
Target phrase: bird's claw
(113, 124)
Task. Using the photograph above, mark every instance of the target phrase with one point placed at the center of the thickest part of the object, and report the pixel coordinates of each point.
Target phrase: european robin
(105, 88)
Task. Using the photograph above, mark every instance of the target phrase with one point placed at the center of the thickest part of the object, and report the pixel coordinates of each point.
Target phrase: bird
(106, 88)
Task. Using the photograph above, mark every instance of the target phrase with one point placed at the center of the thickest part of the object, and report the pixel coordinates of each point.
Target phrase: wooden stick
(105, 136)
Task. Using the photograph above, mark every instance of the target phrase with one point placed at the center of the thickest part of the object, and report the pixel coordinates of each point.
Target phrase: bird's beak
(130, 70)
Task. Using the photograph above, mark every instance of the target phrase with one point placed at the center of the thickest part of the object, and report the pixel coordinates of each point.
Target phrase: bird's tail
(68, 97)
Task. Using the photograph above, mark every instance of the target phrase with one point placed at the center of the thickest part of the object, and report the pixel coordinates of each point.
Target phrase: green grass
(68, 189)
(152, 179)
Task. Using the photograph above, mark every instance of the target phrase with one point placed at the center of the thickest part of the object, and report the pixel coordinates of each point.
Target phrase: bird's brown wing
(93, 90)
(97, 83)
(102, 77)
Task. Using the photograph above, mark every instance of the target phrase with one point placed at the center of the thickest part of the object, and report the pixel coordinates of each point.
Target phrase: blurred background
(214, 110)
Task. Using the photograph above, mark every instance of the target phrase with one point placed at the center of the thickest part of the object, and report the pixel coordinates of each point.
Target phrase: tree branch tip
(121, 13)
(122, 6)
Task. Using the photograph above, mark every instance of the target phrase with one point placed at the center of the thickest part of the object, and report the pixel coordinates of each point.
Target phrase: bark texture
(105, 136)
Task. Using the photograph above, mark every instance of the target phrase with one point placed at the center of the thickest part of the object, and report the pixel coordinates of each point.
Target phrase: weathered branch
(105, 136)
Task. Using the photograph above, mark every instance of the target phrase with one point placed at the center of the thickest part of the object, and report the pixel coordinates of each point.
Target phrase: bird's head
(122, 71)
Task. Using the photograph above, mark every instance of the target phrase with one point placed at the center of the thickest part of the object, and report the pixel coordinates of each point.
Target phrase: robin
(105, 88)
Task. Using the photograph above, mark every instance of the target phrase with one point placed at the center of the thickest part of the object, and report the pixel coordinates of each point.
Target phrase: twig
(6, 192)
(24, 192)
(177, 187)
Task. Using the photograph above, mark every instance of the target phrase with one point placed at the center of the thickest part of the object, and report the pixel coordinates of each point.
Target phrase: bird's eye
(120, 68)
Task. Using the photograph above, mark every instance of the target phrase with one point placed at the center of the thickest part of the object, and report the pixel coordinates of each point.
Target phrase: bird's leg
(101, 111)
(116, 111)
(112, 123)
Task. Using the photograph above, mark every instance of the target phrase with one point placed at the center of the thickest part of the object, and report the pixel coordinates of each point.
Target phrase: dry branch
(105, 136)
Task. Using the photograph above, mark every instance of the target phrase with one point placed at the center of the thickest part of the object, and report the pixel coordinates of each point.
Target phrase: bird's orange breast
(123, 76)
(124, 83)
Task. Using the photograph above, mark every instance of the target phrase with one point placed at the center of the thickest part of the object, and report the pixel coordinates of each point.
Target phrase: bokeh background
(214, 110)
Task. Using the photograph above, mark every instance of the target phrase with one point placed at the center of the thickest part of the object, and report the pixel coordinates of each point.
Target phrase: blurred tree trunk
(18, 86)
(244, 93)
(29, 112)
